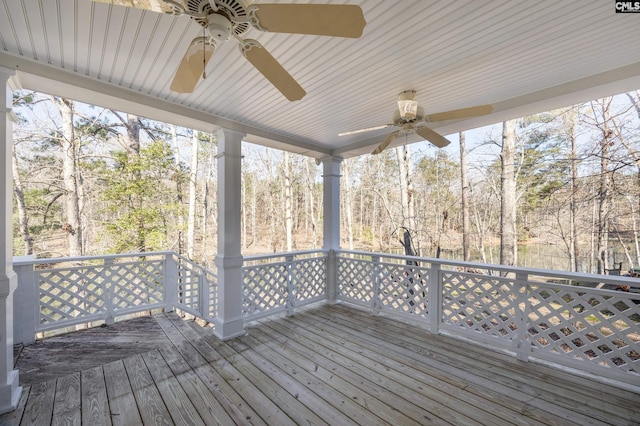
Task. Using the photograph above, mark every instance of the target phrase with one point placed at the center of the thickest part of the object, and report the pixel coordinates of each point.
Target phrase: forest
(559, 190)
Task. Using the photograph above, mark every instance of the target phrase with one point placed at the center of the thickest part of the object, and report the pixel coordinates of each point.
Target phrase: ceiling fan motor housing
(399, 120)
(234, 11)
(219, 27)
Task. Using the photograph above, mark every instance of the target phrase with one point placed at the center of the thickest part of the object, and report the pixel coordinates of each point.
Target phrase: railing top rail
(579, 276)
(198, 266)
(85, 258)
(283, 254)
(186, 259)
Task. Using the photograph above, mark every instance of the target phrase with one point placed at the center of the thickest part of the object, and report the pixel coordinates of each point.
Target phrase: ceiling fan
(223, 19)
(410, 118)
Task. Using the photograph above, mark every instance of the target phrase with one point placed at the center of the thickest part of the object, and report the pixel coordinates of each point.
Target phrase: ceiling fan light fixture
(407, 105)
(408, 109)
(222, 19)
(219, 27)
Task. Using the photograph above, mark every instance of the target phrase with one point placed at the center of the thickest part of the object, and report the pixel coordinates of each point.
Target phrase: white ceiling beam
(39, 77)
(613, 82)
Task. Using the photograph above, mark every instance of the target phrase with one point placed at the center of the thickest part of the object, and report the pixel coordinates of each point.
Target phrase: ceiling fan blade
(368, 129)
(460, 113)
(435, 138)
(192, 66)
(272, 70)
(386, 142)
(154, 5)
(337, 20)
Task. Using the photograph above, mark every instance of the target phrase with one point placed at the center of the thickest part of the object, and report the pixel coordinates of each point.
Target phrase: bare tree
(288, 220)
(574, 250)
(71, 177)
(23, 218)
(193, 175)
(604, 185)
(310, 189)
(464, 200)
(407, 201)
(348, 201)
(508, 234)
(133, 134)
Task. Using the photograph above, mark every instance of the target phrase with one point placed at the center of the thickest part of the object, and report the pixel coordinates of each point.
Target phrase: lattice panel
(188, 286)
(403, 288)
(136, 284)
(482, 303)
(310, 277)
(69, 294)
(355, 279)
(212, 280)
(593, 327)
(265, 287)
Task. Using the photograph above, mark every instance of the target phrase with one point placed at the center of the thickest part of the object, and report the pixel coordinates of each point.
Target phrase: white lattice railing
(531, 313)
(577, 320)
(196, 288)
(280, 282)
(54, 294)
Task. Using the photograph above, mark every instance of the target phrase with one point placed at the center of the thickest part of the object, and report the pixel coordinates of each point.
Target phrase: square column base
(229, 329)
(10, 393)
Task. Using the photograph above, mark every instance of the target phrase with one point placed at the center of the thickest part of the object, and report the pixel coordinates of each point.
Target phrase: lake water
(540, 255)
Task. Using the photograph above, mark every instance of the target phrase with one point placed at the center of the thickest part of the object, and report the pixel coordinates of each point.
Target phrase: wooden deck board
(122, 403)
(67, 401)
(175, 398)
(265, 407)
(325, 365)
(210, 410)
(395, 384)
(455, 381)
(303, 386)
(235, 406)
(369, 392)
(574, 398)
(298, 386)
(95, 405)
(68, 353)
(39, 408)
(152, 408)
(280, 395)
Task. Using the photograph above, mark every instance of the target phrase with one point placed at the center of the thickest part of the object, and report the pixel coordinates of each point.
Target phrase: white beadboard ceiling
(522, 57)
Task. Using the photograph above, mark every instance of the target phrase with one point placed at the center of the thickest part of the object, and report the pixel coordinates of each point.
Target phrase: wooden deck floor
(327, 365)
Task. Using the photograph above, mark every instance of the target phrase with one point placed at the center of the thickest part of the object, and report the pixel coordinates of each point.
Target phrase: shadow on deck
(330, 364)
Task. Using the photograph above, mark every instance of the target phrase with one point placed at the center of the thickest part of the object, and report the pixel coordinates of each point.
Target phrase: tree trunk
(604, 189)
(208, 211)
(243, 220)
(133, 135)
(287, 201)
(176, 157)
(406, 188)
(348, 204)
(312, 203)
(592, 239)
(23, 218)
(574, 250)
(636, 237)
(70, 174)
(464, 182)
(254, 208)
(193, 176)
(508, 234)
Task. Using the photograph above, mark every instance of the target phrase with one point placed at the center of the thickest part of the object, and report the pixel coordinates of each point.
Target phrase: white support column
(229, 322)
(25, 300)
(10, 390)
(331, 220)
